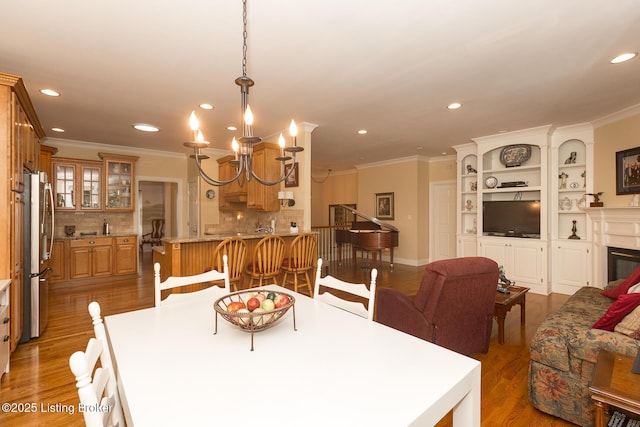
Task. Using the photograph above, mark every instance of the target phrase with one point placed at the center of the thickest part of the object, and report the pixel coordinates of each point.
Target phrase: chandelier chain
(244, 38)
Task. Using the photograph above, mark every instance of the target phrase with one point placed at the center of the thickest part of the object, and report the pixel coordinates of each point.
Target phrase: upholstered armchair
(453, 307)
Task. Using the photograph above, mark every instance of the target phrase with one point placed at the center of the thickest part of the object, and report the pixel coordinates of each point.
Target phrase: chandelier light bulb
(248, 116)
(281, 140)
(193, 121)
(293, 129)
(234, 145)
(200, 137)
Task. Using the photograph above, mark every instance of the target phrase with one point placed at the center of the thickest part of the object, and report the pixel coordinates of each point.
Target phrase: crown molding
(617, 116)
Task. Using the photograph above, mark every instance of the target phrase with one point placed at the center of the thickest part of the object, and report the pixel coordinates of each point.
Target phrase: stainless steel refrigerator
(38, 239)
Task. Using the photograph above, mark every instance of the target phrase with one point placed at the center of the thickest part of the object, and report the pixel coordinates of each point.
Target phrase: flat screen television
(512, 218)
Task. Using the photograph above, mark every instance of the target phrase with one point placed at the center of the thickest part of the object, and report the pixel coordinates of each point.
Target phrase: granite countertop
(93, 236)
(221, 236)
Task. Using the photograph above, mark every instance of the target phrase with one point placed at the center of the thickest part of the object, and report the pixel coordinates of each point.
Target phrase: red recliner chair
(453, 307)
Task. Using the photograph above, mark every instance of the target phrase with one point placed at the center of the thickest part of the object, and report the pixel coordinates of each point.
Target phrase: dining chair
(303, 252)
(106, 360)
(99, 390)
(176, 282)
(154, 238)
(354, 289)
(266, 262)
(235, 249)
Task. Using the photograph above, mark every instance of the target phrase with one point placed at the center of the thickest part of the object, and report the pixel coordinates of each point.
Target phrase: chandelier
(243, 146)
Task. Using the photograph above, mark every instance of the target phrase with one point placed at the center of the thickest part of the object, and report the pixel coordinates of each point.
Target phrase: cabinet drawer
(131, 240)
(98, 241)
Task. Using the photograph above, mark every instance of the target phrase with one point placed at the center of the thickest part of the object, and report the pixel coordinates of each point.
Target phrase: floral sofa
(564, 351)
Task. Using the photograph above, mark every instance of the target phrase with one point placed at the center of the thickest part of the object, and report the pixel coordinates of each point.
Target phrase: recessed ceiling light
(362, 132)
(49, 92)
(624, 57)
(206, 106)
(232, 128)
(454, 106)
(145, 127)
(444, 153)
(57, 130)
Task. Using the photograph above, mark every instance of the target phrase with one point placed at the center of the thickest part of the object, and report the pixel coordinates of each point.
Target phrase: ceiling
(388, 67)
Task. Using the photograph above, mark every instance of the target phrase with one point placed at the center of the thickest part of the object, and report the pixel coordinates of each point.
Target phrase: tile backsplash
(90, 222)
(246, 221)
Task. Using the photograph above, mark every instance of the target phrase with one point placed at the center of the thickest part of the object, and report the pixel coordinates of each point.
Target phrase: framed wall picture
(292, 180)
(384, 206)
(628, 171)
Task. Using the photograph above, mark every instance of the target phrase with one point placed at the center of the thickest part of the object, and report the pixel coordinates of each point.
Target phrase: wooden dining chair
(235, 249)
(353, 289)
(106, 360)
(182, 283)
(154, 238)
(300, 260)
(266, 262)
(97, 390)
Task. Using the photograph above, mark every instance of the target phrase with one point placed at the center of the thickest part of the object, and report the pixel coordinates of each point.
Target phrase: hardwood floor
(40, 379)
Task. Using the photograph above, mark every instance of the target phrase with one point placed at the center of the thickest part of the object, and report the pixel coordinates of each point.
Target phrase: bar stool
(236, 251)
(266, 261)
(303, 254)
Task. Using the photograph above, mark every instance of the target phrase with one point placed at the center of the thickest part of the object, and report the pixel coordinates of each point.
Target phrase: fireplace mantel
(617, 227)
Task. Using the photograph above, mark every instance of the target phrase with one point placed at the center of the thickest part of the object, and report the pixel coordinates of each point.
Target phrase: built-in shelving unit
(557, 172)
(570, 178)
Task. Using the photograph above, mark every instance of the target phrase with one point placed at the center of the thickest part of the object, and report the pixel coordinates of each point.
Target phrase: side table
(504, 302)
(614, 384)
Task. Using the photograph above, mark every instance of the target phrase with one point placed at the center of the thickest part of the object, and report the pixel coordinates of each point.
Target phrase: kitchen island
(185, 256)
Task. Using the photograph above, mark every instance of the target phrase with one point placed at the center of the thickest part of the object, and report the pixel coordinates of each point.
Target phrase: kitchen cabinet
(126, 261)
(524, 260)
(90, 258)
(20, 132)
(46, 159)
(230, 194)
(72, 177)
(256, 196)
(57, 262)
(119, 181)
(259, 196)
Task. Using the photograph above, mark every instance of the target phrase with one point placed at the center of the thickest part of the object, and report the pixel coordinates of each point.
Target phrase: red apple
(281, 300)
(235, 306)
(253, 303)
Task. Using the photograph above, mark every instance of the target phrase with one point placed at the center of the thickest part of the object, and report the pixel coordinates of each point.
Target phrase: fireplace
(621, 262)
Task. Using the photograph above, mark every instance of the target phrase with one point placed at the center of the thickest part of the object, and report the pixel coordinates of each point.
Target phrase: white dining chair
(358, 289)
(106, 360)
(101, 408)
(177, 282)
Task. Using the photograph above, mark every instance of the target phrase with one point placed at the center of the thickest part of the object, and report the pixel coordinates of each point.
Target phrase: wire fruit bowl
(256, 320)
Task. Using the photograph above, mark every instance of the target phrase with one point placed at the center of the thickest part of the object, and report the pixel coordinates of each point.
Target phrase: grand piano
(369, 234)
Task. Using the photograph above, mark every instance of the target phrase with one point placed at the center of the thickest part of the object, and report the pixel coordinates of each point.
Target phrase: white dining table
(336, 369)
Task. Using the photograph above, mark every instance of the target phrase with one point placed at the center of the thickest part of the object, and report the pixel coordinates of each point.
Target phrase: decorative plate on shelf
(491, 182)
(515, 155)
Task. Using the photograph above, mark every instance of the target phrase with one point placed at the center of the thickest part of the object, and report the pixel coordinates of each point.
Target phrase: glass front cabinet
(77, 185)
(119, 181)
